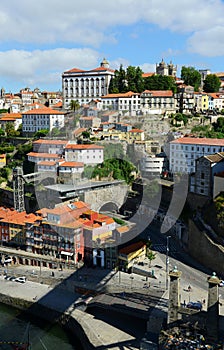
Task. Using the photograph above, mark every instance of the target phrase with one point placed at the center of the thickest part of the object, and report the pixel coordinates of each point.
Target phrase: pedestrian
(184, 303)
(189, 288)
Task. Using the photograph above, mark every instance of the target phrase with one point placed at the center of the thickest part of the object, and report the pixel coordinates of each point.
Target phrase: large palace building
(83, 86)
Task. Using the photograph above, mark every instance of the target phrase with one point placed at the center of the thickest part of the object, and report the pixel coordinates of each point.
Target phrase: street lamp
(167, 259)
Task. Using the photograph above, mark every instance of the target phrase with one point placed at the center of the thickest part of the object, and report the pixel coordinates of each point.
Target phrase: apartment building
(41, 118)
(41, 157)
(86, 85)
(202, 182)
(49, 146)
(152, 166)
(183, 152)
(149, 101)
(89, 154)
(201, 101)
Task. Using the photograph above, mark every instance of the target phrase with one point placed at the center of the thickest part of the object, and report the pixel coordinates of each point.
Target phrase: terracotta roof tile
(81, 146)
(72, 164)
(199, 141)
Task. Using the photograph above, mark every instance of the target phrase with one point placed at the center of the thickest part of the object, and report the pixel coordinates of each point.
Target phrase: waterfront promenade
(130, 293)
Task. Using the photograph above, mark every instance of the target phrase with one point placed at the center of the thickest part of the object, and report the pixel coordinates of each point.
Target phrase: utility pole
(167, 260)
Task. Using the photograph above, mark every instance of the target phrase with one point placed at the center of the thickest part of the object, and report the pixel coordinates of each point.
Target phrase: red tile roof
(199, 141)
(145, 75)
(124, 94)
(45, 162)
(45, 111)
(76, 146)
(136, 130)
(43, 155)
(50, 142)
(72, 164)
(158, 93)
(75, 70)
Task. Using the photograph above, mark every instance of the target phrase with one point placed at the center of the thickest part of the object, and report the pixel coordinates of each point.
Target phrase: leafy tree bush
(191, 77)
(119, 169)
(211, 83)
(41, 133)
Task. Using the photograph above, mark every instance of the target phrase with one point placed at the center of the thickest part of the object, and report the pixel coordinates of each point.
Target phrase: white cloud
(208, 42)
(44, 66)
(89, 22)
(148, 67)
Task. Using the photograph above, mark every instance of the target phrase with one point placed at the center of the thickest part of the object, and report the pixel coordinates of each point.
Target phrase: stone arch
(109, 206)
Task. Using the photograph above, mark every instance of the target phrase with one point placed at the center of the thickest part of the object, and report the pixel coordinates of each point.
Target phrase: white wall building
(88, 154)
(41, 118)
(71, 168)
(49, 146)
(40, 157)
(184, 151)
(84, 86)
(152, 165)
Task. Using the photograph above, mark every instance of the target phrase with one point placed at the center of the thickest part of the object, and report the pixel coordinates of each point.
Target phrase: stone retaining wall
(66, 321)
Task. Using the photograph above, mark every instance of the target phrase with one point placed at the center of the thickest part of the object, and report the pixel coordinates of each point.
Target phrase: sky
(39, 40)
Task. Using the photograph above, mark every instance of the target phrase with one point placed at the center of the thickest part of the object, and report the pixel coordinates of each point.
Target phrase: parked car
(195, 305)
(6, 260)
(221, 284)
(21, 279)
(10, 278)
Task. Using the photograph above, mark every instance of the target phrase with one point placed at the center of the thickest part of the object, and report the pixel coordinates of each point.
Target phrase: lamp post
(167, 259)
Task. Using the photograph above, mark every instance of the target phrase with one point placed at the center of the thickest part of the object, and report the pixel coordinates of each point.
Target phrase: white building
(184, 151)
(88, 154)
(152, 166)
(149, 101)
(70, 171)
(84, 86)
(49, 146)
(47, 166)
(41, 118)
(42, 157)
(126, 102)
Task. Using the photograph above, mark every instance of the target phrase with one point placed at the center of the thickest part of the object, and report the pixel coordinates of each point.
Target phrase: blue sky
(41, 39)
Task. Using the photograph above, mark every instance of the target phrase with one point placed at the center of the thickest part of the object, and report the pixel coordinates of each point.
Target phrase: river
(16, 326)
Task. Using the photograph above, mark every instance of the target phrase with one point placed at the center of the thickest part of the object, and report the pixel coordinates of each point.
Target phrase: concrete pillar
(213, 307)
(174, 295)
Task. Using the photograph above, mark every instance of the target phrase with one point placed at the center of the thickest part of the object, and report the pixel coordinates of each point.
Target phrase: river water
(14, 326)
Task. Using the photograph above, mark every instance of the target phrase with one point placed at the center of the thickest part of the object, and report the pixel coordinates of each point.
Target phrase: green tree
(74, 105)
(191, 77)
(211, 83)
(149, 253)
(41, 133)
(219, 125)
(160, 82)
(127, 80)
(10, 130)
(2, 132)
(86, 134)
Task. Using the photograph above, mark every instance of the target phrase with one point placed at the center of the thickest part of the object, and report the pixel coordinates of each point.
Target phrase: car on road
(10, 278)
(196, 305)
(6, 260)
(21, 279)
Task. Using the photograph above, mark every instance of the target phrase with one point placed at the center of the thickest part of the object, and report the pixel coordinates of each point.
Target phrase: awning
(66, 253)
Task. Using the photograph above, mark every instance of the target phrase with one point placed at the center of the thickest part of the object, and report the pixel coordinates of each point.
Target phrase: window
(202, 175)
